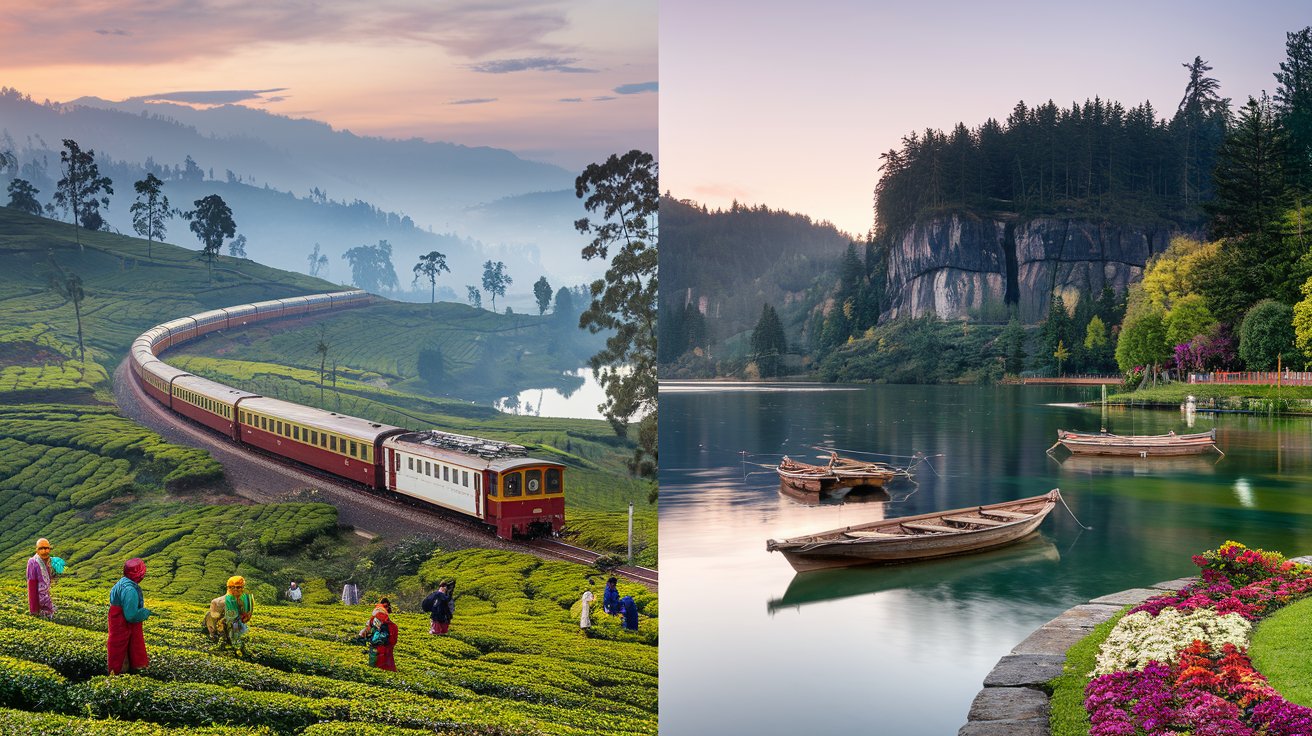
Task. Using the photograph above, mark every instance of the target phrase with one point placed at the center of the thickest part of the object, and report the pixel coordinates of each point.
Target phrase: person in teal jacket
(127, 610)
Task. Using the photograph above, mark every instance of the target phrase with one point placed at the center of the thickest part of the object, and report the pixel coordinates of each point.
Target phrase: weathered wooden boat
(1158, 445)
(841, 471)
(925, 536)
(1032, 555)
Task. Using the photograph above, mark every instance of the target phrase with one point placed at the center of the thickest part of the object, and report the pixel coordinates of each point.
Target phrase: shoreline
(1014, 697)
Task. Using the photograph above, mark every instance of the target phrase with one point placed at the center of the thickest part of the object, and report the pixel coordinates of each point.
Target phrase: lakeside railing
(1255, 378)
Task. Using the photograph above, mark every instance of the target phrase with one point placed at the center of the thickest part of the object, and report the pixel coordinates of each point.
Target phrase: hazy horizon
(566, 82)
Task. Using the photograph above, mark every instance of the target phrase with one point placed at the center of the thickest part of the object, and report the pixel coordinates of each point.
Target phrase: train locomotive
(495, 482)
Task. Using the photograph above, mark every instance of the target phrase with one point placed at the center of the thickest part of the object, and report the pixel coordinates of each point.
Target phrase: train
(497, 483)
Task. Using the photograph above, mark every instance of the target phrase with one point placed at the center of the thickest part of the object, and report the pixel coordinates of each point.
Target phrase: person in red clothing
(40, 576)
(381, 636)
(127, 610)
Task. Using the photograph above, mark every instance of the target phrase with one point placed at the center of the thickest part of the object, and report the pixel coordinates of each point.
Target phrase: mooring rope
(1072, 513)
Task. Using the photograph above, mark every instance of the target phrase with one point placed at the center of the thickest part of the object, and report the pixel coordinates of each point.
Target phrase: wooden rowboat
(1159, 445)
(841, 471)
(938, 534)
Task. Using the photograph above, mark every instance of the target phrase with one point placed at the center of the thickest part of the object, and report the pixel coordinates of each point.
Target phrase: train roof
(328, 421)
(460, 449)
(212, 389)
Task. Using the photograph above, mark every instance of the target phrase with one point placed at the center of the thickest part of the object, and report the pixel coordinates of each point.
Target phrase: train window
(332, 440)
(355, 449)
(410, 463)
(465, 475)
(428, 468)
(264, 423)
(296, 433)
(512, 485)
(553, 480)
(533, 482)
(314, 437)
(446, 473)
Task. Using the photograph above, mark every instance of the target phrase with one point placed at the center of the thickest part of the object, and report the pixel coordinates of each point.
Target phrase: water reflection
(577, 397)
(926, 634)
(1033, 556)
(1164, 466)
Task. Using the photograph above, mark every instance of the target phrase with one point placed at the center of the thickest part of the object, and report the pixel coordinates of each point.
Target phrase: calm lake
(748, 647)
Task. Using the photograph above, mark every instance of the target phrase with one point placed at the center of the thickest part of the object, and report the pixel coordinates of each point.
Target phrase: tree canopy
(623, 191)
(82, 191)
(212, 223)
(151, 211)
(371, 267)
(430, 266)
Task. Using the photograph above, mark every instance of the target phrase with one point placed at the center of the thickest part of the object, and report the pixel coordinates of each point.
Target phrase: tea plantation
(104, 489)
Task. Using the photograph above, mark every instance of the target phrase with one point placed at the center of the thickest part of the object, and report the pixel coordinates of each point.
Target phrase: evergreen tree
(1201, 119)
(1293, 105)
(768, 343)
(1249, 178)
(1056, 328)
(1012, 341)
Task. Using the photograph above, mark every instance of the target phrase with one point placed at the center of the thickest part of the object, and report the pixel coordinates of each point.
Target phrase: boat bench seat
(1008, 515)
(870, 535)
(973, 520)
(922, 527)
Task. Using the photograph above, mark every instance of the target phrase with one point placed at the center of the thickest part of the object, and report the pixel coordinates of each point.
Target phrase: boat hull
(1155, 446)
(837, 549)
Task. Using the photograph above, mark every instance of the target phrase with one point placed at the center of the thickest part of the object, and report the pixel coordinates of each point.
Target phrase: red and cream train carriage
(340, 444)
(495, 482)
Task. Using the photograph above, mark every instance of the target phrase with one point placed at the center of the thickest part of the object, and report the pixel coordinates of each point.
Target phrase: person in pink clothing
(40, 576)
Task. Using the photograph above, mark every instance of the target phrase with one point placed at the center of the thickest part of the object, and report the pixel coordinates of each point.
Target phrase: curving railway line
(264, 477)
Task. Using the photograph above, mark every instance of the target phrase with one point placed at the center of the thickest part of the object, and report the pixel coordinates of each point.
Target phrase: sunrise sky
(563, 81)
(790, 104)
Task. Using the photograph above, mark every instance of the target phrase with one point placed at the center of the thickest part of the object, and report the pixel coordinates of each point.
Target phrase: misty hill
(729, 264)
(489, 201)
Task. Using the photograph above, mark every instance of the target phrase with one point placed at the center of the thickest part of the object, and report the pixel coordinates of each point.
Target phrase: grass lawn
(1281, 649)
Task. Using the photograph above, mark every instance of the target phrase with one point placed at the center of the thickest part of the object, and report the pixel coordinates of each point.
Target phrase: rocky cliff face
(968, 267)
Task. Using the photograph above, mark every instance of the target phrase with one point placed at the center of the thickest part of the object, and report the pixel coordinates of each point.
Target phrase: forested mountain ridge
(719, 267)
(1085, 232)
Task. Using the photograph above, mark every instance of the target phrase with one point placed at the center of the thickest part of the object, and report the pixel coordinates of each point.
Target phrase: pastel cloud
(213, 96)
(473, 101)
(539, 63)
(38, 32)
(636, 89)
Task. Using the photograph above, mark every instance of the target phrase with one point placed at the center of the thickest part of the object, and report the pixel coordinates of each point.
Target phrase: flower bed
(1179, 663)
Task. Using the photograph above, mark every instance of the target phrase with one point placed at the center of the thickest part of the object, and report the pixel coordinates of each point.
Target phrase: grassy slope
(72, 469)
(1281, 650)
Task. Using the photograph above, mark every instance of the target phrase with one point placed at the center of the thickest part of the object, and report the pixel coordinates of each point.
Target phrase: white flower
(1141, 638)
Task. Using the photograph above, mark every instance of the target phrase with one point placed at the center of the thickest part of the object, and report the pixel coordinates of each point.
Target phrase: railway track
(570, 553)
(264, 477)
